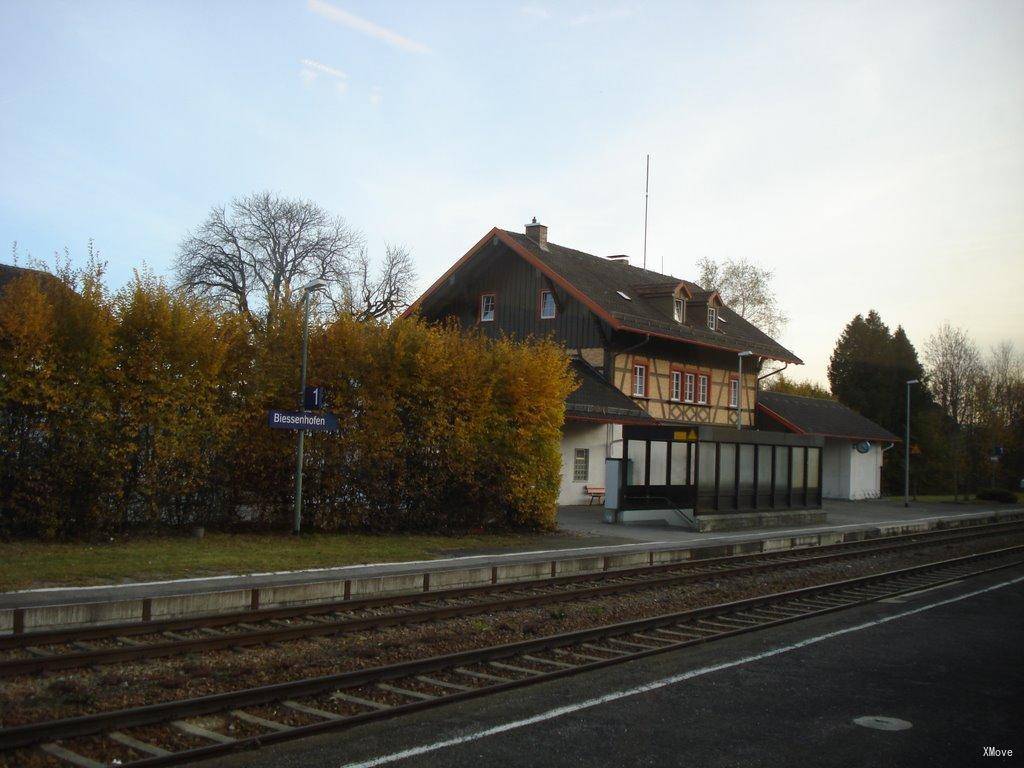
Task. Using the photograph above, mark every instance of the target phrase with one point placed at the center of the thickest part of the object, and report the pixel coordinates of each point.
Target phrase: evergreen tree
(868, 372)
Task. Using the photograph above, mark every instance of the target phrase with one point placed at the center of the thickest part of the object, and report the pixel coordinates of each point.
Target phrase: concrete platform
(78, 606)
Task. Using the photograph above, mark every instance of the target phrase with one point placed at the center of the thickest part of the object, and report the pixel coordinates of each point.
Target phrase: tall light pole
(307, 289)
(739, 389)
(906, 450)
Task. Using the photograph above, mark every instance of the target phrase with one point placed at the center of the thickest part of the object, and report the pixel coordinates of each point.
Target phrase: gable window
(677, 310)
(712, 318)
(702, 389)
(688, 391)
(639, 380)
(487, 308)
(677, 385)
(547, 305)
(734, 393)
(581, 465)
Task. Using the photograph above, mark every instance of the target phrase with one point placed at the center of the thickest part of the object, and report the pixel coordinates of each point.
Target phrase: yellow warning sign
(688, 435)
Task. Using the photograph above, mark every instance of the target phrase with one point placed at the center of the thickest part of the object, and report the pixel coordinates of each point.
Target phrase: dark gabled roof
(597, 400)
(600, 280)
(818, 416)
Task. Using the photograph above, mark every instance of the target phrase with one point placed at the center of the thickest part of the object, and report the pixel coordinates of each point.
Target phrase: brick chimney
(538, 233)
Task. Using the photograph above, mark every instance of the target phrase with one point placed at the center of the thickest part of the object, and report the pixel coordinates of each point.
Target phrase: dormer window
(712, 318)
(487, 308)
(677, 310)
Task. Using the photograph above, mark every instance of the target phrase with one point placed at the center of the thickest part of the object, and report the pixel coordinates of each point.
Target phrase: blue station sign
(310, 422)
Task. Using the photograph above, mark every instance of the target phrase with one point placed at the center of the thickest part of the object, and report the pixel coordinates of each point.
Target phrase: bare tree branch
(746, 288)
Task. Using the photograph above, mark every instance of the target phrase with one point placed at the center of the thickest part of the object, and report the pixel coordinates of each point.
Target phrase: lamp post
(307, 289)
(906, 450)
(739, 389)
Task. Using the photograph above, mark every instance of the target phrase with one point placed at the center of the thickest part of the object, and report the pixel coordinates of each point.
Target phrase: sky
(870, 154)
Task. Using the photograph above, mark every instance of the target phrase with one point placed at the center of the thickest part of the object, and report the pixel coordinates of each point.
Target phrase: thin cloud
(600, 16)
(317, 67)
(366, 27)
(376, 95)
(535, 11)
(313, 69)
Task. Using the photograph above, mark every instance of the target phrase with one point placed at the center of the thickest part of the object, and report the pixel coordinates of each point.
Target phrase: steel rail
(549, 595)
(650, 636)
(133, 628)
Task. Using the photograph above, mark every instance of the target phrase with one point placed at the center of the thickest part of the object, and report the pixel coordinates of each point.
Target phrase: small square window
(677, 310)
(487, 308)
(547, 305)
(677, 385)
(581, 465)
(639, 381)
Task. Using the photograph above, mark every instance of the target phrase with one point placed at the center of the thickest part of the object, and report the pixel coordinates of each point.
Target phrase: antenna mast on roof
(647, 184)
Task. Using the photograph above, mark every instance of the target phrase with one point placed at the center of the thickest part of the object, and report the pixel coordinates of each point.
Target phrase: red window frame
(480, 307)
(692, 377)
(706, 378)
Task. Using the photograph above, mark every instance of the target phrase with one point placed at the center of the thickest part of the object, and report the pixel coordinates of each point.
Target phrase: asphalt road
(954, 671)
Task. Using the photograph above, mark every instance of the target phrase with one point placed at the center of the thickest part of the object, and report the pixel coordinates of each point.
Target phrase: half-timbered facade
(653, 351)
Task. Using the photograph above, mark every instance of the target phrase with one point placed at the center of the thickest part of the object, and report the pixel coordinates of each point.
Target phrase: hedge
(147, 410)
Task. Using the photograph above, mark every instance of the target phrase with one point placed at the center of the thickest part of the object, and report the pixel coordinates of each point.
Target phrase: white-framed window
(677, 385)
(677, 310)
(581, 465)
(734, 393)
(487, 308)
(712, 318)
(689, 386)
(639, 380)
(547, 305)
(702, 389)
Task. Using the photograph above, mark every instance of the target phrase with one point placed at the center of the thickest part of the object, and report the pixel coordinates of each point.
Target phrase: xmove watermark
(996, 752)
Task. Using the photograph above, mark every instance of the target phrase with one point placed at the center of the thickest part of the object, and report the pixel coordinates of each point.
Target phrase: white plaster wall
(576, 434)
(847, 474)
(865, 473)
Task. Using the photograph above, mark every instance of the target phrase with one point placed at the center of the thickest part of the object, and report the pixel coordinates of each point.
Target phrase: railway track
(204, 727)
(69, 649)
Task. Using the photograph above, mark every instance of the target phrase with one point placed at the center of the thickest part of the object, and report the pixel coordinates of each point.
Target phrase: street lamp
(307, 289)
(739, 389)
(906, 450)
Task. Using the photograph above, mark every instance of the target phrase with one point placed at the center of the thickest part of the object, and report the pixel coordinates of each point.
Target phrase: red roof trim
(454, 268)
(784, 422)
(616, 325)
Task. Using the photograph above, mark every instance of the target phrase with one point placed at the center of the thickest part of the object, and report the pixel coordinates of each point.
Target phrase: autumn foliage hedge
(146, 409)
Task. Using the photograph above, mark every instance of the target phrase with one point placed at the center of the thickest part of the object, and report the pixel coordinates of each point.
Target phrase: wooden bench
(594, 492)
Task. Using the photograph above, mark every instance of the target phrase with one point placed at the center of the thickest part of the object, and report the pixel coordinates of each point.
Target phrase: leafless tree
(953, 364)
(254, 255)
(380, 294)
(747, 289)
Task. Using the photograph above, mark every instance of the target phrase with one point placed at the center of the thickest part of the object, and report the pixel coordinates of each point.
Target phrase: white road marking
(903, 598)
(664, 682)
(624, 548)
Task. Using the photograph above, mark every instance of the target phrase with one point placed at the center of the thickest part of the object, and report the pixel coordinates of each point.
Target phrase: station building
(666, 418)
